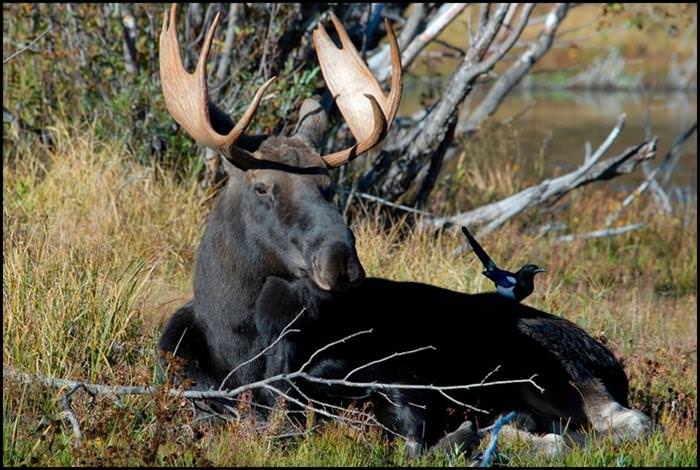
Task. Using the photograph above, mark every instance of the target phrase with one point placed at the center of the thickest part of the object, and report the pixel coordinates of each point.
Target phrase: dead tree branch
(651, 174)
(445, 15)
(292, 378)
(600, 233)
(402, 173)
(497, 213)
(100, 389)
(512, 76)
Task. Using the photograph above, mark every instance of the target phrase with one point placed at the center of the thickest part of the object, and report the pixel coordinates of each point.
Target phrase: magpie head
(528, 271)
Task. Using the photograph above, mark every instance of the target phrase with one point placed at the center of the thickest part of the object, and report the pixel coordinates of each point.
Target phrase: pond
(567, 119)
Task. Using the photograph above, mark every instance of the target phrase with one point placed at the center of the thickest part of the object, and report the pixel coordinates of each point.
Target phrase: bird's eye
(261, 189)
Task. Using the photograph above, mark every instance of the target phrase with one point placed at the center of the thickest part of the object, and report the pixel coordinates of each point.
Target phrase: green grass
(99, 250)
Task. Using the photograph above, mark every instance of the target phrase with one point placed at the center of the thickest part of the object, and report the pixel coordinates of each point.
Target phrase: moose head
(276, 206)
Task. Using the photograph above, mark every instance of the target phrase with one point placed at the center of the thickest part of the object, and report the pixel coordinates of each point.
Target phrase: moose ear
(312, 123)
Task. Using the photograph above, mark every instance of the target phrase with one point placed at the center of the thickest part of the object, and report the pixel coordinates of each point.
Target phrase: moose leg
(465, 439)
(547, 445)
(182, 338)
(607, 416)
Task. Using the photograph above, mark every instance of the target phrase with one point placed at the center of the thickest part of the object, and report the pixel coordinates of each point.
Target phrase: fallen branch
(497, 213)
(384, 202)
(650, 180)
(100, 389)
(608, 232)
(349, 416)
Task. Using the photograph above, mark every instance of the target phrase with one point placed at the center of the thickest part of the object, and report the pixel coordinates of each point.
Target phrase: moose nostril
(336, 267)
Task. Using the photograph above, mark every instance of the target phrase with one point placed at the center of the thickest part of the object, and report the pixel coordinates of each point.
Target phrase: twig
(329, 345)
(16, 53)
(454, 400)
(384, 202)
(672, 160)
(69, 415)
(391, 356)
(591, 160)
(282, 334)
(486, 377)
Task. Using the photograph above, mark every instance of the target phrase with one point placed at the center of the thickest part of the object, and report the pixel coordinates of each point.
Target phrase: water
(566, 120)
(571, 118)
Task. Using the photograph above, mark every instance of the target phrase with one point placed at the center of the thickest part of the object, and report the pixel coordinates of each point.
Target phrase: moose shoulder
(275, 246)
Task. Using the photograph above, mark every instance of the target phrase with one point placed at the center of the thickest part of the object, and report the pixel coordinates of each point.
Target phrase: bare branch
(518, 69)
(69, 415)
(384, 202)
(498, 212)
(600, 233)
(435, 132)
(380, 63)
(52, 382)
(445, 15)
(391, 356)
(282, 334)
(651, 174)
(329, 345)
(18, 52)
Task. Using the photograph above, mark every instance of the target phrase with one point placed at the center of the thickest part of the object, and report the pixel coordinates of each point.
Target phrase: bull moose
(275, 245)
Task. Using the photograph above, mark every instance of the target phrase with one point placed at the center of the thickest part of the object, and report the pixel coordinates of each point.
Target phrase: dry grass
(98, 250)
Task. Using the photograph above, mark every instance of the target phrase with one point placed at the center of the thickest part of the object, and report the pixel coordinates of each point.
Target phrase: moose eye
(261, 189)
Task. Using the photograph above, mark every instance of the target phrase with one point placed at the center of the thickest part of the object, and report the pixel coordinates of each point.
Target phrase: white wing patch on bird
(506, 291)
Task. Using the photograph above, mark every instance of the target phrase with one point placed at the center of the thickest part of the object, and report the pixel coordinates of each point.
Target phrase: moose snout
(336, 267)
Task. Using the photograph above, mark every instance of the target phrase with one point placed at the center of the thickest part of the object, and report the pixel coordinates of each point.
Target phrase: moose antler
(360, 99)
(368, 112)
(187, 99)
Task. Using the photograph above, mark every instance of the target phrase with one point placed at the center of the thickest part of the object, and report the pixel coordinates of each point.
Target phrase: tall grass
(98, 250)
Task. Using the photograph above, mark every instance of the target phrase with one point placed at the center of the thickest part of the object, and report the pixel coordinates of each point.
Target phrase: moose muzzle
(336, 267)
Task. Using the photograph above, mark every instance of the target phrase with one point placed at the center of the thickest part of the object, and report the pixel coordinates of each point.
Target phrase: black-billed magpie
(515, 286)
